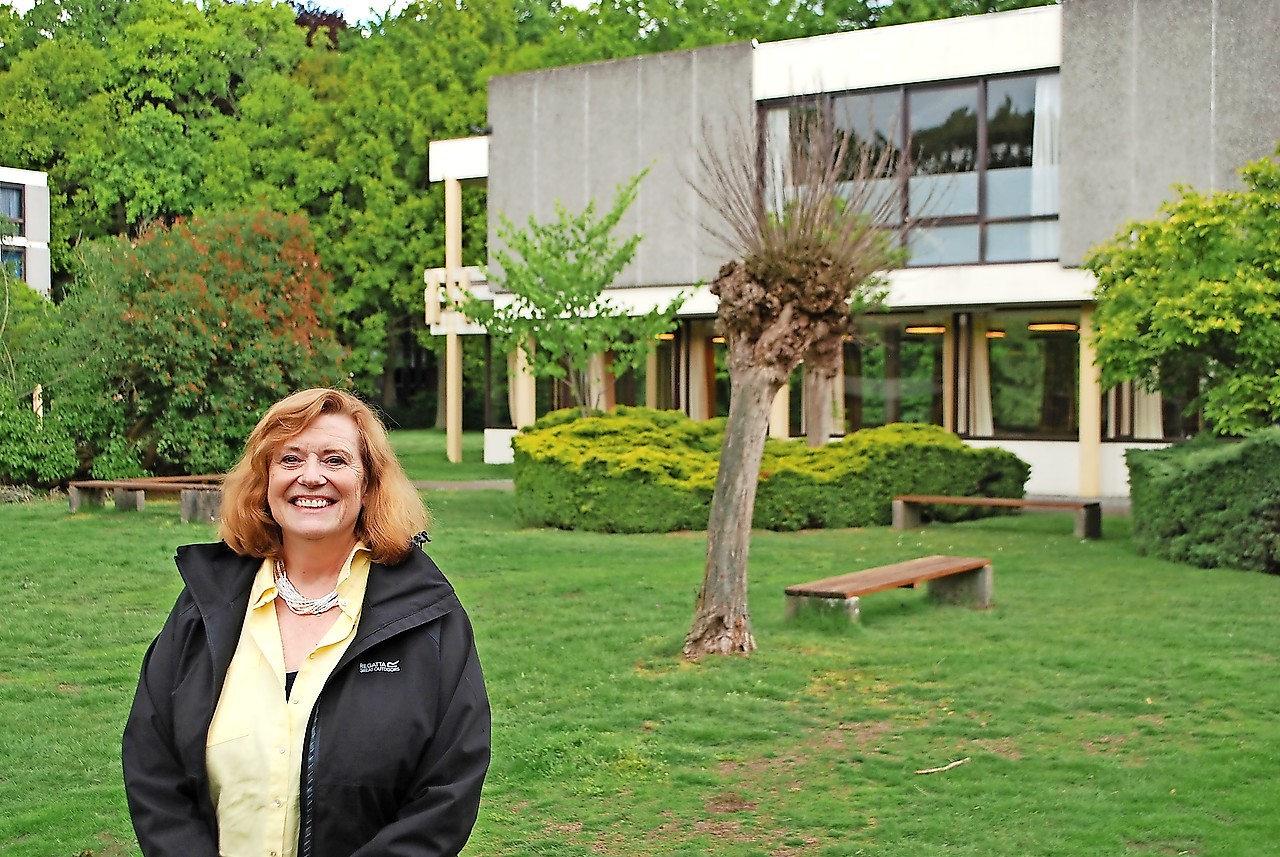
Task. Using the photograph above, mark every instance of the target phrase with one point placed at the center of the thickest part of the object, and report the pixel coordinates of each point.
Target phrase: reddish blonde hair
(393, 511)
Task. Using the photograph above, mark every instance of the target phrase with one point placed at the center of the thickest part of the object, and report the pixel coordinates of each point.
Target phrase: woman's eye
(290, 460)
(335, 461)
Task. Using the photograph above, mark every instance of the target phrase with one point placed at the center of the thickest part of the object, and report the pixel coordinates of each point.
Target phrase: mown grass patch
(1108, 704)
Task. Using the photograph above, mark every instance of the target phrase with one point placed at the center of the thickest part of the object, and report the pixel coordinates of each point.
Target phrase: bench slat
(995, 501)
(888, 576)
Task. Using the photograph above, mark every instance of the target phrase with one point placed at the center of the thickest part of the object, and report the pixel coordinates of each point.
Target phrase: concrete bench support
(81, 497)
(967, 587)
(201, 505)
(128, 500)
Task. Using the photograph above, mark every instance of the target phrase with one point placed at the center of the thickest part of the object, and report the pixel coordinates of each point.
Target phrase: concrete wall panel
(1157, 93)
(576, 133)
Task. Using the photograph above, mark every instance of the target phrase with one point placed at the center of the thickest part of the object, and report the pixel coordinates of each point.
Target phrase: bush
(173, 345)
(638, 470)
(33, 451)
(1209, 503)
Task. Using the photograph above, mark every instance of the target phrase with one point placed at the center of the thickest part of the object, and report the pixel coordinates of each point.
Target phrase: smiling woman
(316, 690)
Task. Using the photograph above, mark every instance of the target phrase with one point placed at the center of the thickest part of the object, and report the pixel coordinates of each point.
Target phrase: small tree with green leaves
(1190, 297)
(558, 316)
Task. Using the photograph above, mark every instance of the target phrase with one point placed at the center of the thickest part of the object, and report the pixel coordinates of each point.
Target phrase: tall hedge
(1210, 503)
(638, 470)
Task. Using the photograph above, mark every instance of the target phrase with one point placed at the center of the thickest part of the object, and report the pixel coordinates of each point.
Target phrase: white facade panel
(1022, 40)
(989, 285)
(463, 158)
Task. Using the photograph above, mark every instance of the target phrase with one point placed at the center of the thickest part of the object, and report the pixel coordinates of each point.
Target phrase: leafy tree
(788, 298)
(174, 344)
(558, 315)
(34, 449)
(1192, 294)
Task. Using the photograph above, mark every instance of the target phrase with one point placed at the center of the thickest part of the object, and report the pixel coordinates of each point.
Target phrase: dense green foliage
(172, 345)
(144, 110)
(1210, 503)
(1189, 298)
(638, 470)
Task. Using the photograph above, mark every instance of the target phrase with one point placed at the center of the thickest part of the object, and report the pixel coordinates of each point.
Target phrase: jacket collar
(398, 597)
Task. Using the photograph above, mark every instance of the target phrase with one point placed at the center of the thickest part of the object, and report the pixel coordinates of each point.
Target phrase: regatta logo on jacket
(380, 667)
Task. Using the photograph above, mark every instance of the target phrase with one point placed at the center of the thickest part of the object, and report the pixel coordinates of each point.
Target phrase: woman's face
(315, 487)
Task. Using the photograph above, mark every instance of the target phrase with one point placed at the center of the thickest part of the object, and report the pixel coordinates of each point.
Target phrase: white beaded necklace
(299, 603)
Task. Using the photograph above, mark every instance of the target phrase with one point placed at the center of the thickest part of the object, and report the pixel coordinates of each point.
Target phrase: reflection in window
(1034, 368)
(983, 157)
(11, 208)
(893, 373)
(15, 261)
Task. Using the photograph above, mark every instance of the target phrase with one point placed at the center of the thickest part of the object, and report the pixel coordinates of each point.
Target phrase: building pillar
(523, 389)
(780, 414)
(1090, 410)
(453, 344)
(651, 376)
(699, 355)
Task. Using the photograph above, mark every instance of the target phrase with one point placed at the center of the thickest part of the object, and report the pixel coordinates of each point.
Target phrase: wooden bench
(950, 579)
(200, 497)
(906, 509)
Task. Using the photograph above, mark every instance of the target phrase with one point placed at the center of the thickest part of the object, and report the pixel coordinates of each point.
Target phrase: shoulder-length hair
(393, 511)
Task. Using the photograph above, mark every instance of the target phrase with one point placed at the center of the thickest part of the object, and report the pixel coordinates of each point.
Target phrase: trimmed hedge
(637, 470)
(1208, 502)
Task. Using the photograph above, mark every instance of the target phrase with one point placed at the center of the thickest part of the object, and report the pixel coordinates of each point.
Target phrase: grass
(423, 454)
(1110, 704)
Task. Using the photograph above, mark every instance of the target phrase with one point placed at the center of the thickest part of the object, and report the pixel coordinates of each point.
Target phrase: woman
(316, 690)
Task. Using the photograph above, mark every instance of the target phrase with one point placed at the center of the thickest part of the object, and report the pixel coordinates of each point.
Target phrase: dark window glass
(11, 208)
(893, 373)
(1034, 368)
(15, 261)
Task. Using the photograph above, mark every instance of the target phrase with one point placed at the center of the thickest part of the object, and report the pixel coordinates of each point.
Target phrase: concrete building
(1033, 135)
(24, 245)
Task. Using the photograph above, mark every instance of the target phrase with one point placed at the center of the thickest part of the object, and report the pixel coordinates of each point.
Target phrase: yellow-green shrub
(639, 470)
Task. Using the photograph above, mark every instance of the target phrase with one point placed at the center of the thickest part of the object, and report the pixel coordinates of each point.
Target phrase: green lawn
(1110, 704)
(424, 455)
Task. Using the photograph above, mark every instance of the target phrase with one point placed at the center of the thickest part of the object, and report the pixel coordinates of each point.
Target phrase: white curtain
(981, 424)
(1044, 165)
(1148, 414)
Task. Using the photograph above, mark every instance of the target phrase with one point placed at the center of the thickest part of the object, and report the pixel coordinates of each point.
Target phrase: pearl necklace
(299, 603)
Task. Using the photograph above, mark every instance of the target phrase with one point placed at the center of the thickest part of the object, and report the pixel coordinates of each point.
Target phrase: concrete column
(651, 377)
(1090, 410)
(699, 354)
(780, 415)
(453, 345)
(524, 400)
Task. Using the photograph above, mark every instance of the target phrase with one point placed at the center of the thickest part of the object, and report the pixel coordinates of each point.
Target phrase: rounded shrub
(640, 470)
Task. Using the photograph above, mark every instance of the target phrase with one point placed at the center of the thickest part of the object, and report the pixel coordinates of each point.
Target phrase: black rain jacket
(397, 746)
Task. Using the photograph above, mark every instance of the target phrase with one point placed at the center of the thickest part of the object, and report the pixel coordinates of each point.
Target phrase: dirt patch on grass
(727, 802)
(1005, 748)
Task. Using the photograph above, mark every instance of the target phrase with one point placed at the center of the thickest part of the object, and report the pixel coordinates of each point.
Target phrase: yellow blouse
(254, 748)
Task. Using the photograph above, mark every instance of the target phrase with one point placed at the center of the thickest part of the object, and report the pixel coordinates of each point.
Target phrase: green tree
(558, 316)
(1192, 294)
(174, 344)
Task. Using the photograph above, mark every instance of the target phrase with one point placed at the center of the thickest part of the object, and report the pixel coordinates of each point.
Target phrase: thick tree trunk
(818, 417)
(721, 621)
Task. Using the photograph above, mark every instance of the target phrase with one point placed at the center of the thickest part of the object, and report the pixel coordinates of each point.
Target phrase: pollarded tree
(1191, 295)
(805, 264)
(558, 316)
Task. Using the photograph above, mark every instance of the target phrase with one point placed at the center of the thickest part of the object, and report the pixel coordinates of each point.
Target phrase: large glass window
(1034, 370)
(982, 156)
(11, 207)
(893, 372)
(15, 260)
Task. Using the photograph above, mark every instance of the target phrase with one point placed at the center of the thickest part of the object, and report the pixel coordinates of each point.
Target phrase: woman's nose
(312, 472)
